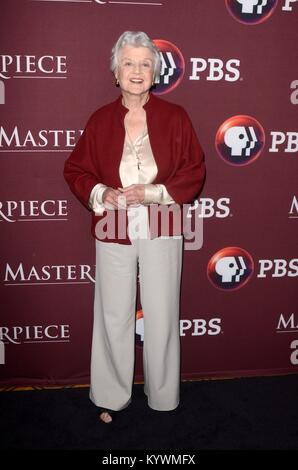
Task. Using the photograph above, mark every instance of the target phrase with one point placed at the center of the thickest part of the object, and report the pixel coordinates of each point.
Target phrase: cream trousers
(113, 343)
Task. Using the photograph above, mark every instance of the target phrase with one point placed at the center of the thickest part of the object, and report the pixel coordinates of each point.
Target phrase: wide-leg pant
(113, 342)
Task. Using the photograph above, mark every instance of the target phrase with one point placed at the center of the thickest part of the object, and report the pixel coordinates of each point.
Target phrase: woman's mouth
(136, 80)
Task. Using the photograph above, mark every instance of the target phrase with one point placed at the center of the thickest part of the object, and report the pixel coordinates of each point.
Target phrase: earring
(117, 82)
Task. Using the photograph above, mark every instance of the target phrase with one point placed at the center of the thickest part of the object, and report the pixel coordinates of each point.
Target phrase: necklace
(125, 105)
(136, 149)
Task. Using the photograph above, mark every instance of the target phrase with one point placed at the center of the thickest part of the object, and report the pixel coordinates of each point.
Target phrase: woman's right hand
(111, 199)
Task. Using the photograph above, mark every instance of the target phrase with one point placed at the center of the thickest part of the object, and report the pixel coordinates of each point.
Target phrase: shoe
(106, 410)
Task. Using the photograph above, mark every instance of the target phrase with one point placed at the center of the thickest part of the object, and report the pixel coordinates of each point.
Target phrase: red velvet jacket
(176, 149)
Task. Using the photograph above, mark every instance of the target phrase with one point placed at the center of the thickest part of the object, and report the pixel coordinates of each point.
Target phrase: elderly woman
(136, 153)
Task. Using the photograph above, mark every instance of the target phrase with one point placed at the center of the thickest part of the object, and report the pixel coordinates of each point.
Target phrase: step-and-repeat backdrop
(233, 66)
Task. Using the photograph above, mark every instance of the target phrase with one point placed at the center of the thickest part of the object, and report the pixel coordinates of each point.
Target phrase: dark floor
(247, 413)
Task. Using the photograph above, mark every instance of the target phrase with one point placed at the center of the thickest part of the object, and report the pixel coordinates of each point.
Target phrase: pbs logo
(240, 140)
(251, 11)
(139, 332)
(230, 268)
(172, 67)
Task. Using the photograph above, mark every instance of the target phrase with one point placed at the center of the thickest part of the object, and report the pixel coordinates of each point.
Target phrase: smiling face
(135, 70)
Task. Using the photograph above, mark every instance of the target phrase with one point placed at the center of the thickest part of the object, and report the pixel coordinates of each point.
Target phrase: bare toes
(105, 417)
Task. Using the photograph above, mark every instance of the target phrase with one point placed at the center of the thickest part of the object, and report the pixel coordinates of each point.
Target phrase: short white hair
(136, 39)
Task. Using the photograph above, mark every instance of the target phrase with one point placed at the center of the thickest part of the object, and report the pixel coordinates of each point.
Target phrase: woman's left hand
(135, 193)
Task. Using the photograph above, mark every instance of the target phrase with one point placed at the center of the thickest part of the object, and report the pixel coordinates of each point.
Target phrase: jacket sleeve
(80, 170)
(187, 177)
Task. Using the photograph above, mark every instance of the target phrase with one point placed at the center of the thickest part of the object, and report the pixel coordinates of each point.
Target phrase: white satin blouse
(130, 174)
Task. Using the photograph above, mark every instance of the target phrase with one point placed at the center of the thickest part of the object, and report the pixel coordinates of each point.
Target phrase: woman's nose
(136, 68)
